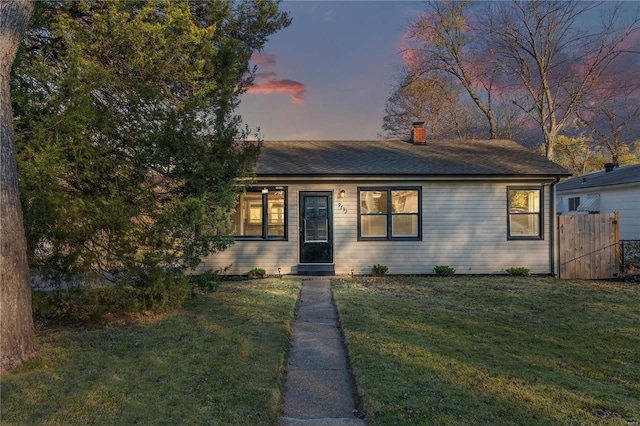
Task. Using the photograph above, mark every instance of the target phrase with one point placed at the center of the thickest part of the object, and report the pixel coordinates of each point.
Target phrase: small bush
(256, 273)
(140, 290)
(379, 270)
(207, 280)
(518, 271)
(444, 271)
(158, 289)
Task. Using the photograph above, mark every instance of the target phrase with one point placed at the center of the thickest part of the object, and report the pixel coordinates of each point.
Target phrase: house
(615, 189)
(339, 207)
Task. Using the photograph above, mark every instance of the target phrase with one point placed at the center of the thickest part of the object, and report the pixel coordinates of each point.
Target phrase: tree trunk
(17, 335)
(549, 146)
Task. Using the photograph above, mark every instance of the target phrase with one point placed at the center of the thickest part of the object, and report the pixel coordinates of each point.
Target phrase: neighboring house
(339, 207)
(611, 190)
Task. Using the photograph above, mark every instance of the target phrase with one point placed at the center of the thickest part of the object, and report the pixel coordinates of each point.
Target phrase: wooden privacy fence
(588, 245)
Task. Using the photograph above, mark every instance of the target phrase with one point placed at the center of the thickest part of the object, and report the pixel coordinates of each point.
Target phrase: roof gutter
(461, 177)
(554, 229)
(588, 188)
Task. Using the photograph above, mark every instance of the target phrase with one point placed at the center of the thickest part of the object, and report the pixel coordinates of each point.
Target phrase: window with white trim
(389, 213)
(261, 214)
(524, 216)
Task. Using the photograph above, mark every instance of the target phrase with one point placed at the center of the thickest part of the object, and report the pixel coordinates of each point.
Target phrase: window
(524, 215)
(574, 202)
(261, 214)
(389, 213)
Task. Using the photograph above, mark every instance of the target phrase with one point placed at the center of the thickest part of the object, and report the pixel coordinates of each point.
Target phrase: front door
(316, 234)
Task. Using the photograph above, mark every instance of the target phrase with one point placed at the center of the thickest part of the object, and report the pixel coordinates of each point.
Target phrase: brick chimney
(419, 133)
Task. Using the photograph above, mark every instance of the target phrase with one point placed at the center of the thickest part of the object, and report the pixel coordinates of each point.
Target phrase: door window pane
(316, 226)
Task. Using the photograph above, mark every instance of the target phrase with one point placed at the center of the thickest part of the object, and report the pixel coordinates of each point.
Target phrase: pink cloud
(266, 83)
(263, 59)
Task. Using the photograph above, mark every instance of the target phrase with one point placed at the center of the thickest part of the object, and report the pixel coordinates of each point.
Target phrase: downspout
(554, 228)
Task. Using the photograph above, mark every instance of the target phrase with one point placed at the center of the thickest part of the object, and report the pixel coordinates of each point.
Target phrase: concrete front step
(317, 269)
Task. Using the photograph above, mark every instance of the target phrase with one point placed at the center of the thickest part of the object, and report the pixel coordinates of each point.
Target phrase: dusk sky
(328, 75)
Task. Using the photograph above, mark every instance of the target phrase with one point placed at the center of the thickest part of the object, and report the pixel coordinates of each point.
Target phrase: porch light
(342, 193)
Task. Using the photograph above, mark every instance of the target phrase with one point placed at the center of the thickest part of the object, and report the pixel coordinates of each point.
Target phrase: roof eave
(599, 187)
(400, 176)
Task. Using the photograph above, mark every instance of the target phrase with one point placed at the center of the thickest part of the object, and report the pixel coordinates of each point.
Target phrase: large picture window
(389, 213)
(261, 214)
(524, 213)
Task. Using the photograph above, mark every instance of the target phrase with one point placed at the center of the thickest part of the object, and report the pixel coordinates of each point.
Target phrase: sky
(327, 76)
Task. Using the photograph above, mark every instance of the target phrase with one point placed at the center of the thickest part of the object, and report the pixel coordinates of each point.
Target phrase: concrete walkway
(317, 390)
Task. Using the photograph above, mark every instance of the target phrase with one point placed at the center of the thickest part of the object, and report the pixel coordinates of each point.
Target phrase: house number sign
(342, 208)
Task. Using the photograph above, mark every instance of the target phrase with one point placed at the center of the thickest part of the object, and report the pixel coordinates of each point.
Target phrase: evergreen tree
(128, 145)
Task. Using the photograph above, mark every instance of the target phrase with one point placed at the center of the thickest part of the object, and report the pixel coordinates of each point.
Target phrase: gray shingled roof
(618, 176)
(399, 158)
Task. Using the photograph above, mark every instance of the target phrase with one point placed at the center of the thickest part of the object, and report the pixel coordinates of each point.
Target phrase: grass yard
(493, 350)
(217, 361)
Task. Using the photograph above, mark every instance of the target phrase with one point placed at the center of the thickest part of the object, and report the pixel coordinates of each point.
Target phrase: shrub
(379, 270)
(152, 290)
(519, 271)
(207, 280)
(444, 271)
(256, 273)
(158, 289)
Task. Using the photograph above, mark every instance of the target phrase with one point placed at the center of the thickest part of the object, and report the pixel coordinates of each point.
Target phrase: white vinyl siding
(622, 199)
(464, 226)
(627, 203)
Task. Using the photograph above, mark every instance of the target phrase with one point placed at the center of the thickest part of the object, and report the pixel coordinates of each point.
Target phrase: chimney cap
(608, 167)
(418, 123)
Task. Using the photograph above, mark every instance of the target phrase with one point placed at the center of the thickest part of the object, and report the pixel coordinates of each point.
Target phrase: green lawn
(493, 350)
(220, 360)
